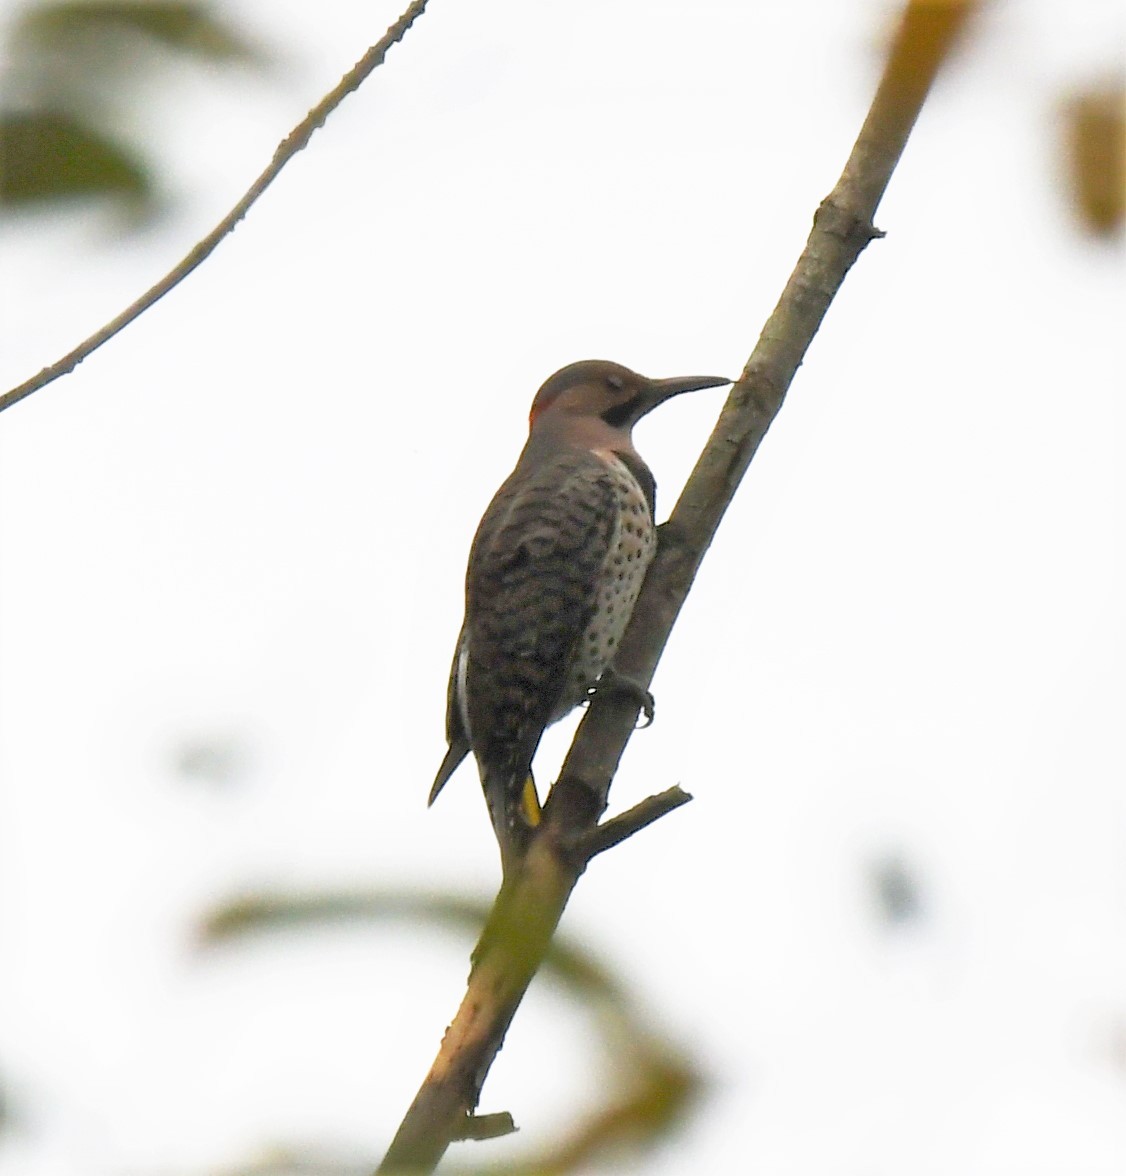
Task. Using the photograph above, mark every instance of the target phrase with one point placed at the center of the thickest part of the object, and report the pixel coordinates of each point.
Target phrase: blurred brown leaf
(1095, 145)
(923, 36)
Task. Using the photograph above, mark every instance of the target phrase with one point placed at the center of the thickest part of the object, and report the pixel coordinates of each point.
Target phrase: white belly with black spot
(633, 544)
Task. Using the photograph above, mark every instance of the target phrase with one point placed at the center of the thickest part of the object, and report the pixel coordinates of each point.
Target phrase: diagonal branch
(842, 227)
(294, 142)
(533, 898)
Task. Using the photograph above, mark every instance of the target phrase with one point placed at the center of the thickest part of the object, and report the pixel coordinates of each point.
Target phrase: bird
(554, 571)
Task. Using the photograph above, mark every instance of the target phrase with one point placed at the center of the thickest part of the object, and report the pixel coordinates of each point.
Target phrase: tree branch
(614, 831)
(294, 142)
(533, 898)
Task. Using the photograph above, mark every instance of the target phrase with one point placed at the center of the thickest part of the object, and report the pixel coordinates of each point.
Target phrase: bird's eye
(615, 382)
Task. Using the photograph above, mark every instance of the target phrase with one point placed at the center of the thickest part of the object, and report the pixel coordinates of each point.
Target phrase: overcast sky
(233, 549)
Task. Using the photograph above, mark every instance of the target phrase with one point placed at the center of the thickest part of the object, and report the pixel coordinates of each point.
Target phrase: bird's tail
(515, 811)
(530, 807)
(459, 749)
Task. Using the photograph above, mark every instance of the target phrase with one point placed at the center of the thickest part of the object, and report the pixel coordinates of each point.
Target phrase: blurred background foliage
(71, 71)
(73, 74)
(1095, 155)
(648, 1086)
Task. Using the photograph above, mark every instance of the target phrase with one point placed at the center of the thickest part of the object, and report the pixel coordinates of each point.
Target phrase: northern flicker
(554, 571)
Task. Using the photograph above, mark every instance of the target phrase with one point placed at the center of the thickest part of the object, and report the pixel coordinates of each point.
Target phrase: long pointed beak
(661, 390)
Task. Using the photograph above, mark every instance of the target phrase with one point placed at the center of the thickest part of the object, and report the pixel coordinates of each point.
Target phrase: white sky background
(244, 523)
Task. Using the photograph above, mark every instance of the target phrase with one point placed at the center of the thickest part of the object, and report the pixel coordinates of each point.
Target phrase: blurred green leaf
(187, 28)
(279, 912)
(74, 73)
(45, 155)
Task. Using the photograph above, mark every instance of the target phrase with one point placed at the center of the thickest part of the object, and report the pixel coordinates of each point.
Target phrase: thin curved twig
(534, 896)
(294, 142)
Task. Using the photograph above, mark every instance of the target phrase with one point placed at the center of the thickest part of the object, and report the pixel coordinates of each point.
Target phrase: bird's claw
(648, 706)
(616, 683)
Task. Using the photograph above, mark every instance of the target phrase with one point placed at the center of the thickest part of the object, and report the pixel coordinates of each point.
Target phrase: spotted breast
(633, 543)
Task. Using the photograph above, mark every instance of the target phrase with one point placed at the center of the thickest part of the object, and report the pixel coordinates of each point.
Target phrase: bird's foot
(616, 683)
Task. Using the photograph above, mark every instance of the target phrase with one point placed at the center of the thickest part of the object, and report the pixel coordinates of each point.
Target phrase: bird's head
(597, 391)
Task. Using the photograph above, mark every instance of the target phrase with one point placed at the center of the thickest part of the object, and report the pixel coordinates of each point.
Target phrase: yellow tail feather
(530, 803)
